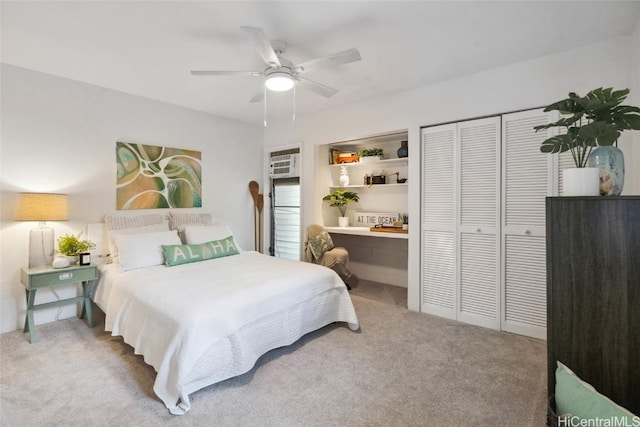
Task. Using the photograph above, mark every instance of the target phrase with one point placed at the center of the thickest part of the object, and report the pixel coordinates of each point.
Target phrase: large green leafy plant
(598, 118)
(340, 199)
(71, 245)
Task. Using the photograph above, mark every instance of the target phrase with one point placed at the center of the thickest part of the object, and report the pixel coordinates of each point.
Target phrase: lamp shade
(42, 207)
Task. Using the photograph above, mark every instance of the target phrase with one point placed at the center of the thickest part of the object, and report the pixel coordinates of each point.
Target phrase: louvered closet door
(438, 275)
(478, 192)
(565, 161)
(528, 178)
(561, 161)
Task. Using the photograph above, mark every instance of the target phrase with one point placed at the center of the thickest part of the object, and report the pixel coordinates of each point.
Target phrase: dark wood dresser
(593, 293)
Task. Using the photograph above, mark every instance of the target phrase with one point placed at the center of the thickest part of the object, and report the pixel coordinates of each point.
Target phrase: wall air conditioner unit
(285, 166)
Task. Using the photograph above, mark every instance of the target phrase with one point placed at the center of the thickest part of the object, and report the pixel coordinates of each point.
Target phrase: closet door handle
(528, 232)
(479, 230)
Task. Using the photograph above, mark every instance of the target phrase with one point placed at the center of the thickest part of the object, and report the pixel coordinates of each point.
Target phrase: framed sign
(85, 258)
(369, 219)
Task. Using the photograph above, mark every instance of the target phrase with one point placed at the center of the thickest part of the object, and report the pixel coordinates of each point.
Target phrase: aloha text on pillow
(183, 254)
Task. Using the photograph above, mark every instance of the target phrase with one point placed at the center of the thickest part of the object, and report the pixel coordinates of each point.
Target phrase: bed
(204, 321)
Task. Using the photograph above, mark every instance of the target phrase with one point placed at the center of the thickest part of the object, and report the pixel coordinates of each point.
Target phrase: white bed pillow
(113, 248)
(179, 219)
(196, 234)
(142, 250)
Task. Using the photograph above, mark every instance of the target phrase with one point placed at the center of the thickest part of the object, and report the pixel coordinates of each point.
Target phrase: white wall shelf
(365, 231)
(368, 186)
(402, 161)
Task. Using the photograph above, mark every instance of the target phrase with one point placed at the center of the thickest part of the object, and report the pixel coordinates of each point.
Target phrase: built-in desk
(380, 260)
(379, 256)
(365, 231)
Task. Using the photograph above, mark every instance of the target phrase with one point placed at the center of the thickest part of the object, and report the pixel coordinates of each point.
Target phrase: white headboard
(97, 233)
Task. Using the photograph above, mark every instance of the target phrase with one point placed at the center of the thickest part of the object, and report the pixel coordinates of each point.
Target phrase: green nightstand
(45, 277)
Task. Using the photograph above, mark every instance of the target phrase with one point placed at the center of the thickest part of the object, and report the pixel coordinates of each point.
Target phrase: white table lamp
(41, 207)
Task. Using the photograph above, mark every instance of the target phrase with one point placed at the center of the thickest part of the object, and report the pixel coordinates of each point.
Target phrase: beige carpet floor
(402, 369)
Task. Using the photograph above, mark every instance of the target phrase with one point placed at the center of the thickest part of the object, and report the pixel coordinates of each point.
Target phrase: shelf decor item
(370, 219)
(344, 176)
(597, 119)
(340, 199)
(378, 178)
(334, 154)
(405, 221)
(348, 157)
(403, 151)
(370, 154)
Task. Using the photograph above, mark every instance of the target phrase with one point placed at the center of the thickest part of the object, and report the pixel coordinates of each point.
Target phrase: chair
(319, 249)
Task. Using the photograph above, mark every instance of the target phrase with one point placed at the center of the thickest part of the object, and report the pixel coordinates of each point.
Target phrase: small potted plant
(404, 217)
(71, 247)
(340, 199)
(596, 119)
(370, 154)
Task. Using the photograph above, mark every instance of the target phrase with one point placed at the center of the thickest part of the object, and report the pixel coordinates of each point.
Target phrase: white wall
(632, 145)
(59, 135)
(524, 85)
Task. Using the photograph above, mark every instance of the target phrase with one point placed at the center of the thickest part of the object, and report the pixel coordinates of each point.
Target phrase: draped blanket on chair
(319, 249)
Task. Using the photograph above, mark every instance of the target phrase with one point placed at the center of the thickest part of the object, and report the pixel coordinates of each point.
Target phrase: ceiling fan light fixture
(279, 82)
(280, 74)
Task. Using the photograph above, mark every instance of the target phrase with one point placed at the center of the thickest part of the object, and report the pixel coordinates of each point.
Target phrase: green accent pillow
(320, 244)
(578, 398)
(183, 254)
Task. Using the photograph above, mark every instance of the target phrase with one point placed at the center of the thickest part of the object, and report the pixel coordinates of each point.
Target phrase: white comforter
(172, 315)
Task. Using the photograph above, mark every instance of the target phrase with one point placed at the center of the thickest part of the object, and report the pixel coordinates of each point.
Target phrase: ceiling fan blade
(316, 87)
(259, 96)
(344, 57)
(265, 49)
(227, 73)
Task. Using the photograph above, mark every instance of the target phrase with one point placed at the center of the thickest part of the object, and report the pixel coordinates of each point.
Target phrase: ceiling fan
(281, 74)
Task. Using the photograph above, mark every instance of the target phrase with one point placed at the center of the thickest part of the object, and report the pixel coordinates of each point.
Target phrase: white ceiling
(147, 48)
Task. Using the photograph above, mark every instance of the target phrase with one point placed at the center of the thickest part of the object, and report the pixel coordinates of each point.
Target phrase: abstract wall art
(151, 177)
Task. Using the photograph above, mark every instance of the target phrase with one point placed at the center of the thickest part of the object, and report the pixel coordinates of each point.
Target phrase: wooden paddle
(254, 189)
(260, 205)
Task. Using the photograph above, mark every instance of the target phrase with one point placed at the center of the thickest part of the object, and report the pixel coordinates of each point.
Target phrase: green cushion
(183, 254)
(578, 398)
(320, 244)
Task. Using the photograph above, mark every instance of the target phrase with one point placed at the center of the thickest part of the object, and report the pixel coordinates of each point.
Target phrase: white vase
(343, 221)
(344, 177)
(581, 182)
